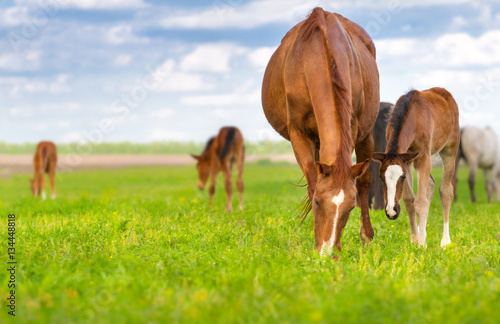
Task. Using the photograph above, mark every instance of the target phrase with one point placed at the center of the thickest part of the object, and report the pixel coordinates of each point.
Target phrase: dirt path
(10, 164)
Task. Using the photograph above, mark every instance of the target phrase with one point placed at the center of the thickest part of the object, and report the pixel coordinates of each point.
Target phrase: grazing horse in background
(376, 189)
(423, 123)
(44, 161)
(219, 154)
(321, 92)
(479, 148)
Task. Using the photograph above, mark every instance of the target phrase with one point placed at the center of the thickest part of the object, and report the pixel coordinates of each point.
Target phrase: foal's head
(34, 190)
(332, 203)
(203, 166)
(393, 175)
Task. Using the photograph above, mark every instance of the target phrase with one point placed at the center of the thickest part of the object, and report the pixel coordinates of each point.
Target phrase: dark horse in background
(376, 189)
(220, 153)
(321, 92)
(44, 161)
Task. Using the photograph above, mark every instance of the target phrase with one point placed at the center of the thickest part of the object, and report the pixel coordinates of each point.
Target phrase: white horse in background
(479, 148)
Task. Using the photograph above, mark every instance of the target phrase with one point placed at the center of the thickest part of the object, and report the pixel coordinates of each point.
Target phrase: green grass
(140, 245)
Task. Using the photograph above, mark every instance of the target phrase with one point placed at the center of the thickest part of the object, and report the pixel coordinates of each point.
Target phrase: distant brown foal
(44, 161)
(220, 153)
(321, 92)
(422, 124)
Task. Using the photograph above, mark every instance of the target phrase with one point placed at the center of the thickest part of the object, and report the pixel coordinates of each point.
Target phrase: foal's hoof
(335, 257)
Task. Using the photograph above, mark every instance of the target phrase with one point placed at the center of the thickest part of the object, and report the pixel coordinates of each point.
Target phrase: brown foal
(44, 161)
(422, 124)
(220, 153)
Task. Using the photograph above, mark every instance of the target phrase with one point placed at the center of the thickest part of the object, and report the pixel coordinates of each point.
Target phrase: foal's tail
(228, 142)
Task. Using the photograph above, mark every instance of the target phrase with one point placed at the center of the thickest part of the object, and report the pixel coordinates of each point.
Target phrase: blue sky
(140, 71)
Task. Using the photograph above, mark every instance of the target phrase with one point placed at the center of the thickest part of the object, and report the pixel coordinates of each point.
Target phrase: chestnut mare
(321, 92)
(44, 161)
(423, 123)
(219, 154)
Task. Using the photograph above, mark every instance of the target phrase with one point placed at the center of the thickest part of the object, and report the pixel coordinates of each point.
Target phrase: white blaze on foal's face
(327, 247)
(392, 175)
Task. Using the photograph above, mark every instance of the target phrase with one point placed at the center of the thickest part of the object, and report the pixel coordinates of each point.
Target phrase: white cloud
(260, 57)
(237, 98)
(233, 14)
(122, 34)
(41, 126)
(122, 60)
(163, 113)
(159, 134)
(16, 86)
(23, 61)
(211, 57)
(394, 47)
(14, 16)
(460, 49)
(22, 112)
(171, 79)
(73, 137)
(456, 50)
(64, 124)
(91, 4)
(227, 14)
(223, 113)
(60, 85)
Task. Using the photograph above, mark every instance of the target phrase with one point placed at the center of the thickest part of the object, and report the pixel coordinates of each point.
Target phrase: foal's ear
(324, 169)
(196, 157)
(378, 156)
(359, 169)
(409, 157)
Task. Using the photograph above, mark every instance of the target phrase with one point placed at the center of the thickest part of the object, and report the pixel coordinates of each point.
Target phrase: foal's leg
(42, 184)
(487, 184)
(446, 193)
(422, 201)
(240, 161)
(364, 151)
(52, 174)
(226, 172)
(214, 170)
(409, 200)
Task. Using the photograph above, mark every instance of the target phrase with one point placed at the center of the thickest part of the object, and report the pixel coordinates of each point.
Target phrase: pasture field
(140, 245)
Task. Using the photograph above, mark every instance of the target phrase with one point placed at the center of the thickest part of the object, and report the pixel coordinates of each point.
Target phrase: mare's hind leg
(226, 172)
(364, 151)
(240, 161)
(409, 200)
(487, 183)
(446, 193)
